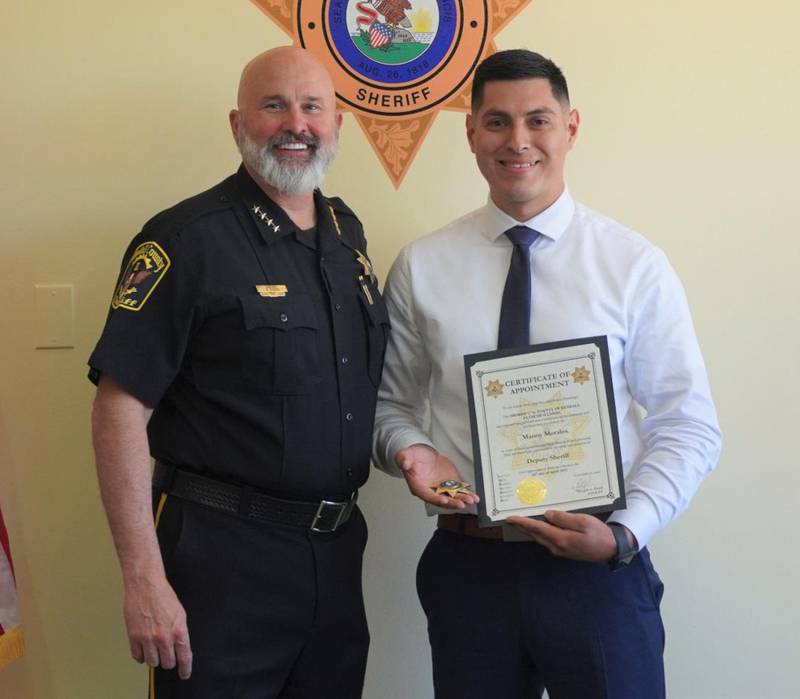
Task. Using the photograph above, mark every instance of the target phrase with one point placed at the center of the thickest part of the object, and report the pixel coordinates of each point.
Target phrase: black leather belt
(320, 517)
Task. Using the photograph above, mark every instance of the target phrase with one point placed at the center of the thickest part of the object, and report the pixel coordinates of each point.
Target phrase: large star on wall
(396, 63)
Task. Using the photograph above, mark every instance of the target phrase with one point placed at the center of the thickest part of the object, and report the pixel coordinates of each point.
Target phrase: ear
(233, 118)
(573, 124)
(469, 124)
(339, 118)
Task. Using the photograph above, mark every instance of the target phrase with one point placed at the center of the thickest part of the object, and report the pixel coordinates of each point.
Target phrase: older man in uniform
(243, 351)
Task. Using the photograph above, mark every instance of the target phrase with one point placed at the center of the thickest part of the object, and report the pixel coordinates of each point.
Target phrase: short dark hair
(518, 64)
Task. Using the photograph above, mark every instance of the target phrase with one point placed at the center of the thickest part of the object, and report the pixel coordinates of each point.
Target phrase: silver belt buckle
(329, 504)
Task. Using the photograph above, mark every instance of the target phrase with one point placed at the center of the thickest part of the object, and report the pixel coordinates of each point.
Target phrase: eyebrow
(533, 112)
(305, 98)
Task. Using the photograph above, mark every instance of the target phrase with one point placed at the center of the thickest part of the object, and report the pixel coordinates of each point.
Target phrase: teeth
(518, 166)
(294, 146)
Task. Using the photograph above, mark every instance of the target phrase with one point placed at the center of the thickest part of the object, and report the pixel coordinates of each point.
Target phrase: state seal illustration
(396, 63)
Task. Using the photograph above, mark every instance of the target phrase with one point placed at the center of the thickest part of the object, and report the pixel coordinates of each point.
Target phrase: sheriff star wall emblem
(396, 63)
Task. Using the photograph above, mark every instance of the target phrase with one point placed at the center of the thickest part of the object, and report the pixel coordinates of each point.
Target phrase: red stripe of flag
(5, 544)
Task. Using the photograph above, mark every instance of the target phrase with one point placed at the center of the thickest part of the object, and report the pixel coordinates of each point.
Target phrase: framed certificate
(544, 430)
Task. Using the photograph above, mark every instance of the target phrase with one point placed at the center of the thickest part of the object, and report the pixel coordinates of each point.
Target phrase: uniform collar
(551, 223)
(270, 219)
(330, 219)
(273, 223)
(327, 232)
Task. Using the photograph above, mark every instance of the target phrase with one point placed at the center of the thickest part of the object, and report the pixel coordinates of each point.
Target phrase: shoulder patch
(148, 264)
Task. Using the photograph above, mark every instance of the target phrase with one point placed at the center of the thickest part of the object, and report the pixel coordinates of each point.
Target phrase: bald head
(296, 66)
(286, 124)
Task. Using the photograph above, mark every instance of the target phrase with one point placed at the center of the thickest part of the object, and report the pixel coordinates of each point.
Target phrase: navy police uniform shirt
(259, 346)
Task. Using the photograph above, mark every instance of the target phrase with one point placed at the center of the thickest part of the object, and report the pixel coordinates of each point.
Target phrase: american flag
(379, 34)
(11, 643)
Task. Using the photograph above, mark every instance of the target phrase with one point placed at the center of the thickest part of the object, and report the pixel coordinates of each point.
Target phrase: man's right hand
(154, 617)
(424, 468)
(156, 623)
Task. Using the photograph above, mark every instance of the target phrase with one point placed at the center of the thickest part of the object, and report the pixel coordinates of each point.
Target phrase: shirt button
(284, 317)
(350, 472)
(338, 306)
(345, 360)
(349, 417)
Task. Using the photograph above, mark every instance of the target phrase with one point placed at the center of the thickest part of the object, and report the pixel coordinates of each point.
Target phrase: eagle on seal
(394, 11)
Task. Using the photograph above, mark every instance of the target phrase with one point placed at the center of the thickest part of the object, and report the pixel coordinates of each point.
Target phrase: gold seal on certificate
(544, 430)
(531, 491)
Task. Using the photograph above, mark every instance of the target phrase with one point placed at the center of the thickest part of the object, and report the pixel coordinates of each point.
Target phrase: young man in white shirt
(577, 610)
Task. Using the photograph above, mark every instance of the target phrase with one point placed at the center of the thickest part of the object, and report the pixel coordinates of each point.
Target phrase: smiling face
(286, 124)
(520, 135)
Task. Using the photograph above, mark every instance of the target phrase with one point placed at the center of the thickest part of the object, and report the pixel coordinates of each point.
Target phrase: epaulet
(189, 210)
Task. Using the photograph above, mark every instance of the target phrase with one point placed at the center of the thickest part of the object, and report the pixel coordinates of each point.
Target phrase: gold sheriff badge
(396, 63)
(452, 488)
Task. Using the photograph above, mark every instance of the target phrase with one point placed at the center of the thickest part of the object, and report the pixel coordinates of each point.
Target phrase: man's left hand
(569, 535)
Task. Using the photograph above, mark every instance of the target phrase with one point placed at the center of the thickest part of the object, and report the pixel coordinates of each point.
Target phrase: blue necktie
(515, 312)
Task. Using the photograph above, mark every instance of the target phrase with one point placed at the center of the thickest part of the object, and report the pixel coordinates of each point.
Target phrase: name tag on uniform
(272, 290)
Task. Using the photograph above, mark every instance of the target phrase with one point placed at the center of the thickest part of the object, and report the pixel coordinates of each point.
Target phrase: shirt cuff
(638, 517)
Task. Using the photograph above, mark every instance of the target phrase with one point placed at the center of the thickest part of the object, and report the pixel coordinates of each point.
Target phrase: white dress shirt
(591, 276)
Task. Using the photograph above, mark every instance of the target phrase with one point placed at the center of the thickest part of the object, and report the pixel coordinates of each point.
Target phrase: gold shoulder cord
(335, 221)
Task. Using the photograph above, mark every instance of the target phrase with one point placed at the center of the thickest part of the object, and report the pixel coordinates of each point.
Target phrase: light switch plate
(55, 325)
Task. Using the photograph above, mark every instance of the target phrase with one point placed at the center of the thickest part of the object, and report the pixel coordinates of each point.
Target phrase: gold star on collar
(264, 216)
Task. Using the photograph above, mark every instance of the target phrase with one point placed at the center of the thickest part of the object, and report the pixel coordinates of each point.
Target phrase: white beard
(286, 176)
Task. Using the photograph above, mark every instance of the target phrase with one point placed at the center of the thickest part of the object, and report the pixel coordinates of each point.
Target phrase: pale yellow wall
(112, 111)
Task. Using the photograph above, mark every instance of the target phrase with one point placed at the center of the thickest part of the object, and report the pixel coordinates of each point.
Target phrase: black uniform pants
(507, 619)
(274, 612)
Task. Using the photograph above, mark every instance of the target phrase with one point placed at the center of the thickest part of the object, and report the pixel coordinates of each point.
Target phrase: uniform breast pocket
(280, 353)
(377, 331)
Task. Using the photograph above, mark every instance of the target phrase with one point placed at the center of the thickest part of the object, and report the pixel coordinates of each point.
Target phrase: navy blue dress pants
(507, 619)
(274, 612)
